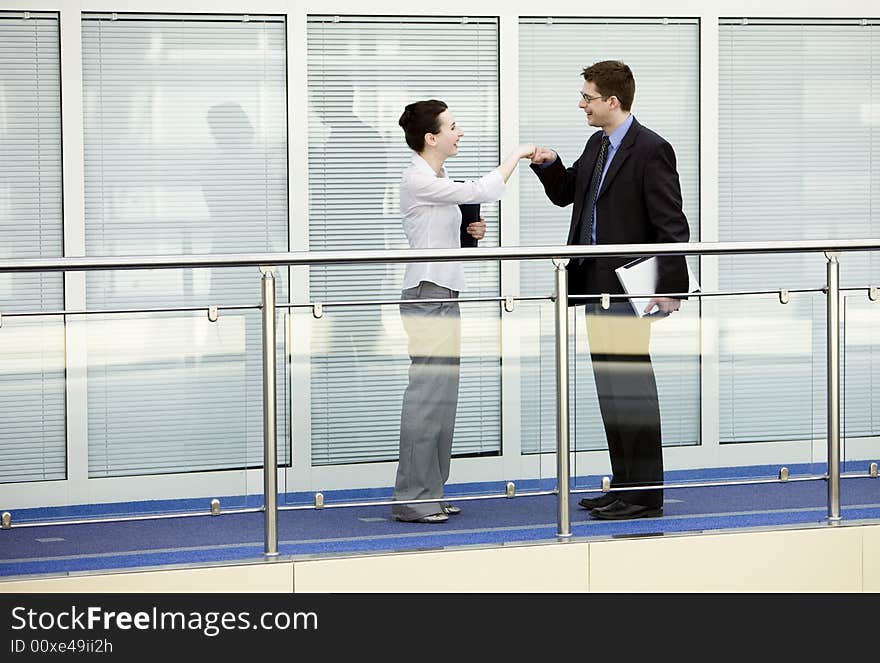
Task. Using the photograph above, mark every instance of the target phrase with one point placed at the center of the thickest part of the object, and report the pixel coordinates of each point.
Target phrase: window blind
(787, 173)
(664, 57)
(362, 71)
(185, 153)
(32, 428)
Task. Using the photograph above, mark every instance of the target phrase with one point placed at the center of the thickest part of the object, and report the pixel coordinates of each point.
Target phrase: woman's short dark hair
(420, 118)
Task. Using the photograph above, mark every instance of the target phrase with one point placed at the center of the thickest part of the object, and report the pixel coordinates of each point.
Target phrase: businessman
(624, 189)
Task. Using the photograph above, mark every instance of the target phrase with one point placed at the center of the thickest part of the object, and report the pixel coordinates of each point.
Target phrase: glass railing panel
(634, 381)
(174, 407)
(760, 366)
(176, 399)
(531, 366)
(860, 415)
(771, 381)
(33, 444)
(353, 362)
(350, 368)
(137, 415)
(764, 370)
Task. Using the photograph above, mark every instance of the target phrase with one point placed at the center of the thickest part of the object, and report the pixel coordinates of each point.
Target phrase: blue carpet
(239, 537)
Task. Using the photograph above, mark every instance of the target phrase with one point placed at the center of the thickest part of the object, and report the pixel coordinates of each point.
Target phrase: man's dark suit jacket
(640, 203)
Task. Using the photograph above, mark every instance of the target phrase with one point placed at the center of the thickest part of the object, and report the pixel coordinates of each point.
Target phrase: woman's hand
(543, 155)
(526, 151)
(477, 229)
(511, 161)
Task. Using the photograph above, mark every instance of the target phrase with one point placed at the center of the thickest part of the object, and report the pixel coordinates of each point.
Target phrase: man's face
(597, 108)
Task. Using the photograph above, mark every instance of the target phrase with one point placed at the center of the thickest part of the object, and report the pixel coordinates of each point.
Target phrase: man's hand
(665, 305)
(543, 155)
(477, 229)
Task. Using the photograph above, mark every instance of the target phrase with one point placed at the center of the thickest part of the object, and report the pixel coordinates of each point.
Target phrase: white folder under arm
(639, 277)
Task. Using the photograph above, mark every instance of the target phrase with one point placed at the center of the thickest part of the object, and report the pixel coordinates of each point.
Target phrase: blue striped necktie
(587, 215)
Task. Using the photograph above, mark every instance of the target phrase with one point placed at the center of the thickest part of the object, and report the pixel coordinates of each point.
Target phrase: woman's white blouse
(432, 220)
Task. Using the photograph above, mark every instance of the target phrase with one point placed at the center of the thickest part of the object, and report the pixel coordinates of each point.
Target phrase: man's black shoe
(620, 510)
(598, 502)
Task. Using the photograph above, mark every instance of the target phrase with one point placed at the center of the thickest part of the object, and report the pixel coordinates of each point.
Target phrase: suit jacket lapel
(585, 170)
(620, 156)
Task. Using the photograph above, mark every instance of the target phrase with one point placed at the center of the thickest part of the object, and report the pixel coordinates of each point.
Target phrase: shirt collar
(617, 135)
(421, 164)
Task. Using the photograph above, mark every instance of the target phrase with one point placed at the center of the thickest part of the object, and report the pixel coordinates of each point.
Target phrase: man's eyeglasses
(587, 98)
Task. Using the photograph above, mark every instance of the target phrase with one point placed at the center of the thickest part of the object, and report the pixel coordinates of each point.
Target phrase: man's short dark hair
(613, 78)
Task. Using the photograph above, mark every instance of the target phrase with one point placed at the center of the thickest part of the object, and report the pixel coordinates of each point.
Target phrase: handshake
(535, 153)
(525, 151)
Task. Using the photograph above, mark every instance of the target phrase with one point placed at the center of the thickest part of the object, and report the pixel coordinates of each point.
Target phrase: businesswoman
(429, 203)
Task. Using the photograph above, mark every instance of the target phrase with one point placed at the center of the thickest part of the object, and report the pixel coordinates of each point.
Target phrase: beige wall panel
(552, 567)
(871, 558)
(816, 560)
(277, 577)
(846, 559)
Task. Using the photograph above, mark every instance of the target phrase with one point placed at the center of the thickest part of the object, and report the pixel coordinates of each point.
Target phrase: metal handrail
(702, 294)
(296, 258)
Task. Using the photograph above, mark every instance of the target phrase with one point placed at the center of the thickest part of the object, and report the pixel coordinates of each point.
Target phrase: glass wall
(786, 173)
(185, 146)
(32, 427)
(362, 72)
(664, 57)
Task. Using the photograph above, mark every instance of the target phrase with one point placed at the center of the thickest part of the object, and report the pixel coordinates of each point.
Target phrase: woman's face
(446, 140)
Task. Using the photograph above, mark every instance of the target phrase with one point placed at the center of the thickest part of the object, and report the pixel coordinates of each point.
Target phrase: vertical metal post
(270, 488)
(833, 351)
(562, 470)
